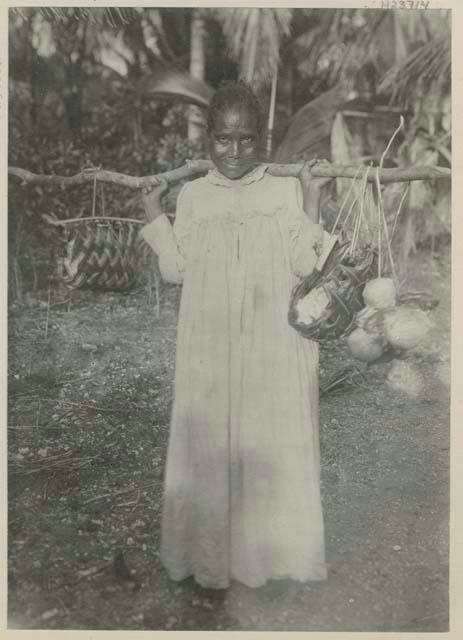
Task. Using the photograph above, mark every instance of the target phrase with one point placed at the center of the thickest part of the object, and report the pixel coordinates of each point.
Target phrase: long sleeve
(305, 237)
(170, 242)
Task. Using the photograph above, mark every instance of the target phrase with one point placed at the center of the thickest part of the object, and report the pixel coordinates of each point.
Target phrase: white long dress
(242, 493)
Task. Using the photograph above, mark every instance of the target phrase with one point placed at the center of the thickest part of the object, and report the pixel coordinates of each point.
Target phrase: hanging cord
(94, 197)
(399, 209)
(389, 250)
(391, 140)
(382, 223)
(102, 198)
(378, 189)
(351, 208)
(381, 216)
(344, 202)
(360, 215)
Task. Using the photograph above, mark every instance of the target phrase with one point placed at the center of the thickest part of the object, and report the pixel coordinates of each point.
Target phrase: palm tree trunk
(197, 70)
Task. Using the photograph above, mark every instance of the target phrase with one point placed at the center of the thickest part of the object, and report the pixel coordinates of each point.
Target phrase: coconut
(365, 346)
(379, 293)
(405, 378)
(406, 327)
(312, 306)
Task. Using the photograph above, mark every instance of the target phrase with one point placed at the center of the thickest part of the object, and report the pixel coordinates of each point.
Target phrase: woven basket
(101, 253)
(342, 279)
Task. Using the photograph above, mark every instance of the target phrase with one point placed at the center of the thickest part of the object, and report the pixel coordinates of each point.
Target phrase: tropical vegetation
(125, 89)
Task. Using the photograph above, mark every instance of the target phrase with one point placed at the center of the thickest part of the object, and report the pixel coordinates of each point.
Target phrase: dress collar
(219, 179)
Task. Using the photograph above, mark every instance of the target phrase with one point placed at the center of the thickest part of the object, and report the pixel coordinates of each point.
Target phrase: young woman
(242, 493)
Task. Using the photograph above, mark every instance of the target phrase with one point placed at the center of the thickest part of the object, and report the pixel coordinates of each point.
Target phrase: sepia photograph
(229, 318)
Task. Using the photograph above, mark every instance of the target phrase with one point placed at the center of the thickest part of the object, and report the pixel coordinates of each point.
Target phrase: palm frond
(310, 128)
(176, 85)
(113, 17)
(254, 37)
(425, 69)
(336, 43)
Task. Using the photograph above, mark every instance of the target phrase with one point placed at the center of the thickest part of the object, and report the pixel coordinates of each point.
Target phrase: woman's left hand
(308, 181)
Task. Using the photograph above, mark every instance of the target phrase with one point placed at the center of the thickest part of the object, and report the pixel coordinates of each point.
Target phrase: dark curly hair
(234, 95)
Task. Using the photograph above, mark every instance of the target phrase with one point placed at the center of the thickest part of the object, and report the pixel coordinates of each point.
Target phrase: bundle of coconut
(323, 305)
(343, 297)
(385, 325)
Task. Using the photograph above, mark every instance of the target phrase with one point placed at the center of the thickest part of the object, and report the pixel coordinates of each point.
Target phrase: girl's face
(233, 142)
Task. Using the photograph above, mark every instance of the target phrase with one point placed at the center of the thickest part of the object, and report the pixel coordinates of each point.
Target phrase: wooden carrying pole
(194, 167)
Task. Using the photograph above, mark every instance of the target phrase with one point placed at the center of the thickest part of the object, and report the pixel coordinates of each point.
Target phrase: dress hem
(317, 575)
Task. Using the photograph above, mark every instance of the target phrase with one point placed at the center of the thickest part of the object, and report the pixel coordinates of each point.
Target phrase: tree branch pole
(194, 167)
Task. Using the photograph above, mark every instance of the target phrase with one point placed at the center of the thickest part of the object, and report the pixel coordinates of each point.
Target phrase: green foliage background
(81, 92)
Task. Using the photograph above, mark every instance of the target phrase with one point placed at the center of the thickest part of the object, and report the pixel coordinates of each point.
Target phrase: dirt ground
(90, 393)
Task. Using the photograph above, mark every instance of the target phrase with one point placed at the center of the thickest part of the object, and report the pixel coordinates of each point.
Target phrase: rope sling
(100, 252)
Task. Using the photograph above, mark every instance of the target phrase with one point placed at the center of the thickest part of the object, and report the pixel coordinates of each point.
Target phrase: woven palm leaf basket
(101, 253)
(323, 305)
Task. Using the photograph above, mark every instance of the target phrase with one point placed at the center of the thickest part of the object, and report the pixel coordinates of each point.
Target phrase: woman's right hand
(151, 197)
